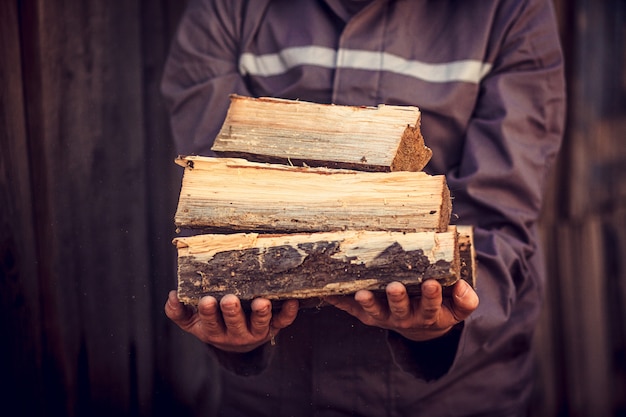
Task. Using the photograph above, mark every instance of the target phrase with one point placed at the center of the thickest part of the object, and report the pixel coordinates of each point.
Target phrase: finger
(177, 311)
(431, 301)
(399, 301)
(368, 302)
(286, 315)
(260, 316)
(208, 308)
(465, 300)
(234, 316)
(344, 303)
(209, 315)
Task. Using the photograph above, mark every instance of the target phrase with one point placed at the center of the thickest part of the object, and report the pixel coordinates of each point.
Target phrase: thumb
(465, 300)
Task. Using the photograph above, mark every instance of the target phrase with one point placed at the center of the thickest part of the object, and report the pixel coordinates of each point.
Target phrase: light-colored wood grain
(382, 138)
(239, 195)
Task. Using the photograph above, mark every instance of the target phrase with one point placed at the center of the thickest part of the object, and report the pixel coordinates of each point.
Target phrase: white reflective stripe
(469, 70)
(275, 64)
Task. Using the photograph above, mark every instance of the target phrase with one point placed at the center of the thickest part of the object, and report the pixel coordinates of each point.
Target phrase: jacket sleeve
(202, 71)
(510, 144)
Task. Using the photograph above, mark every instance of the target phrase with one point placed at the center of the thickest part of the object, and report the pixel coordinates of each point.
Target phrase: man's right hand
(225, 324)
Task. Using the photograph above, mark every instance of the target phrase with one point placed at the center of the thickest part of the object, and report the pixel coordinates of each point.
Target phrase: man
(487, 76)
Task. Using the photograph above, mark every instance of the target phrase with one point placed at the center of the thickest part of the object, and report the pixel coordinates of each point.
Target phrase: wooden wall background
(88, 190)
(581, 341)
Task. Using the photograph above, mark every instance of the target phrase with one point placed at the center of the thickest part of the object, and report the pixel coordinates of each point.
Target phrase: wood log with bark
(305, 266)
(382, 138)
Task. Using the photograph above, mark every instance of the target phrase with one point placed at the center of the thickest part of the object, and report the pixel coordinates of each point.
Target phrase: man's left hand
(417, 318)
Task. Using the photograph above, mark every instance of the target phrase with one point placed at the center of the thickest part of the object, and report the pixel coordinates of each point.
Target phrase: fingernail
(465, 290)
(228, 307)
(429, 289)
(395, 289)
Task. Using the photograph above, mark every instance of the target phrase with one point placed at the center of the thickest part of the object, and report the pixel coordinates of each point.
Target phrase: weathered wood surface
(85, 73)
(467, 254)
(383, 138)
(238, 195)
(303, 266)
(22, 321)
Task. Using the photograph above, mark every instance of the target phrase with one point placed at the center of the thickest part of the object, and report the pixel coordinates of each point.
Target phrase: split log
(238, 195)
(303, 266)
(383, 138)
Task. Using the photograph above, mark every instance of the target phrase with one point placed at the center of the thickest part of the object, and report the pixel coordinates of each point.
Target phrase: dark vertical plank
(20, 325)
(185, 380)
(120, 290)
(614, 237)
(550, 395)
(581, 340)
(551, 382)
(596, 68)
(59, 386)
(584, 319)
(86, 123)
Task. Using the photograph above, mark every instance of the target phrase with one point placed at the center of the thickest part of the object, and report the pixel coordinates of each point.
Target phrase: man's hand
(225, 324)
(420, 318)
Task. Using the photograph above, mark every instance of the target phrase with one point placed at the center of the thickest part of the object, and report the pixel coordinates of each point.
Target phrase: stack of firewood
(307, 200)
